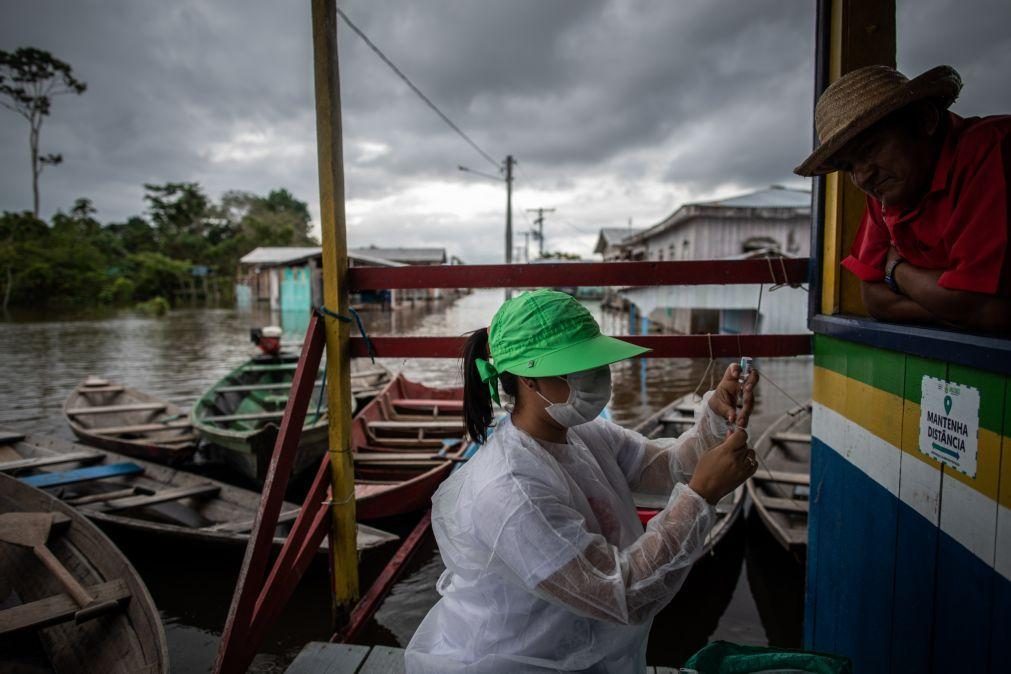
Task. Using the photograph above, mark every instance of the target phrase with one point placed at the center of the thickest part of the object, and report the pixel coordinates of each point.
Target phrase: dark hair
(477, 407)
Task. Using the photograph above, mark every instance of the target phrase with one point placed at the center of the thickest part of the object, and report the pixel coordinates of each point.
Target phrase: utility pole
(539, 222)
(509, 209)
(509, 216)
(526, 246)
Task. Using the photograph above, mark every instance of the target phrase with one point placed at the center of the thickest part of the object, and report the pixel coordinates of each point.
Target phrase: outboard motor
(267, 338)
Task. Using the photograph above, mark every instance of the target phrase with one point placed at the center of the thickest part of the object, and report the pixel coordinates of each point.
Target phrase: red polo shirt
(963, 223)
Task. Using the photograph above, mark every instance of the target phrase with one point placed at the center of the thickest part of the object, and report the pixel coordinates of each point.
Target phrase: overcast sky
(616, 110)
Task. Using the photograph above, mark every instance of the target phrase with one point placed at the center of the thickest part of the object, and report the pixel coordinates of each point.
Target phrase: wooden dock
(320, 657)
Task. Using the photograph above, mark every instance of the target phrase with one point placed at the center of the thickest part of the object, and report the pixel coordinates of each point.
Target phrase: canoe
(131, 495)
(405, 441)
(119, 632)
(127, 421)
(780, 488)
(674, 419)
(240, 415)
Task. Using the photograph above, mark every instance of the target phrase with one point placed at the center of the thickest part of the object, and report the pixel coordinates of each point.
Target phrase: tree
(181, 214)
(29, 79)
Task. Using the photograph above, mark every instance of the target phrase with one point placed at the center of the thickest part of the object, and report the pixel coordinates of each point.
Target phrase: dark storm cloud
(614, 108)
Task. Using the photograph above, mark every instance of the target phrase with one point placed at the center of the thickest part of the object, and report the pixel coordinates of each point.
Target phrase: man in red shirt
(933, 243)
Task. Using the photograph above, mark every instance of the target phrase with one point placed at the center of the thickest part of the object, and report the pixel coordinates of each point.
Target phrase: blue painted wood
(82, 475)
(819, 465)
(1000, 626)
(851, 591)
(964, 592)
(912, 615)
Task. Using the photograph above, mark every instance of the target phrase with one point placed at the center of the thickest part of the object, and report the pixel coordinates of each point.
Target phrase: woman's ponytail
(477, 409)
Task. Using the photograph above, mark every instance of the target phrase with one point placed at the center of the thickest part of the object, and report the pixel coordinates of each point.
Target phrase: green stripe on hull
(902, 375)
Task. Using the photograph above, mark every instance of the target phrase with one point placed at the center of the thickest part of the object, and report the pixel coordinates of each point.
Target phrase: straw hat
(864, 96)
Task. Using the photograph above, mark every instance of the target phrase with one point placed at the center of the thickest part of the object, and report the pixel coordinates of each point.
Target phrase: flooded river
(748, 591)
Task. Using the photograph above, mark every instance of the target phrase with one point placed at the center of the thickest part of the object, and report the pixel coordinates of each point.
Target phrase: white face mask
(589, 393)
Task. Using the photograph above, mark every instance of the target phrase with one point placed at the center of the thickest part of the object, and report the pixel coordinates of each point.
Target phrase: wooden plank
(82, 457)
(666, 670)
(384, 660)
(404, 457)
(82, 475)
(102, 389)
(427, 403)
(662, 346)
(132, 407)
(245, 417)
(160, 497)
(416, 425)
(683, 272)
(106, 496)
(58, 608)
(803, 438)
(780, 476)
(322, 658)
(10, 437)
(247, 525)
(278, 367)
(138, 428)
(784, 504)
(281, 386)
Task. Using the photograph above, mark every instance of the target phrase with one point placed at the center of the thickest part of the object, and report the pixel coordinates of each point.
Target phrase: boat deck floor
(319, 656)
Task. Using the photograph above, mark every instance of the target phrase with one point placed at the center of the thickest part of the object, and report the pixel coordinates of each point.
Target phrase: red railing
(264, 588)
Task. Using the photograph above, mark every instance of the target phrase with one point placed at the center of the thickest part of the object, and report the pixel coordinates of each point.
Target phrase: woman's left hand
(724, 399)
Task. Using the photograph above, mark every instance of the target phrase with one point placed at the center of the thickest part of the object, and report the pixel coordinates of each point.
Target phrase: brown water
(749, 591)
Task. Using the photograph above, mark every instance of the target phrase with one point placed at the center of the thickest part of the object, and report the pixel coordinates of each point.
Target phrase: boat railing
(788, 271)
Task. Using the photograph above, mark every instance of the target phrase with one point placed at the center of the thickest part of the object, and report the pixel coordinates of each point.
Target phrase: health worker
(548, 567)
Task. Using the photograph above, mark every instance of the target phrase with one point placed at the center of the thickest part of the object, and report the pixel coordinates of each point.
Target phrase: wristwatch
(890, 275)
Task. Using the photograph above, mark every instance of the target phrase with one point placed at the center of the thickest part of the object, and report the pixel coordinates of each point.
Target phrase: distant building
(291, 278)
(770, 223)
(609, 243)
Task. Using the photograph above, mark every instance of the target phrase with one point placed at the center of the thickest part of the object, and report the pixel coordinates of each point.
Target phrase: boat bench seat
(449, 425)
(138, 428)
(37, 462)
(280, 386)
(160, 497)
(256, 416)
(132, 407)
(82, 475)
(58, 608)
(425, 403)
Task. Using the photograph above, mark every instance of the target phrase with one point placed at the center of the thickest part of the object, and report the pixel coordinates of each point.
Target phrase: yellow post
(862, 34)
(343, 552)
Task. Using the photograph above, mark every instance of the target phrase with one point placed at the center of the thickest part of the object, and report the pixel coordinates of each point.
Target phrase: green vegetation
(75, 261)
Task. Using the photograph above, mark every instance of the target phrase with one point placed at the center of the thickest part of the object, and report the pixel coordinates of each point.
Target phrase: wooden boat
(405, 442)
(670, 422)
(240, 415)
(122, 419)
(126, 494)
(780, 488)
(118, 631)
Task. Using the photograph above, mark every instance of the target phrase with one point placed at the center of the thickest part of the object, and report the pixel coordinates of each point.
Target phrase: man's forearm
(959, 307)
(885, 305)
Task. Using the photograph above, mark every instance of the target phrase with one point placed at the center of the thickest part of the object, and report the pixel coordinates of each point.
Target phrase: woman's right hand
(723, 468)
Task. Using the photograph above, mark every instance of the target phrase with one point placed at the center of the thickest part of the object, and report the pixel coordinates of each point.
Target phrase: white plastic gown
(547, 565)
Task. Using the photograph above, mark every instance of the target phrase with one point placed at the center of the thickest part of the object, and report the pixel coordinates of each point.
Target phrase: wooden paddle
(31, 530)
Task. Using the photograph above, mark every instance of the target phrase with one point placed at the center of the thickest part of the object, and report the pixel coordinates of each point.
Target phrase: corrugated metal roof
(772, 197)
(407, 255)
(272, 256)
(268, 256)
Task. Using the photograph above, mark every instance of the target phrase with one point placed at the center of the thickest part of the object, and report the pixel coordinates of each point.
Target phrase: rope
(357, 320)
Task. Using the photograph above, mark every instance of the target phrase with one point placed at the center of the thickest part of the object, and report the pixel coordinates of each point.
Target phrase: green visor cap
(546, 333)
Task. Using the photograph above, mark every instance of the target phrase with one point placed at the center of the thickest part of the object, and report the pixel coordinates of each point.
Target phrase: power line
(415, 89)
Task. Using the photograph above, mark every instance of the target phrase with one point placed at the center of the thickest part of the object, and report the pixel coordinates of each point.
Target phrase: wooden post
(862, 34)
(343, 554)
